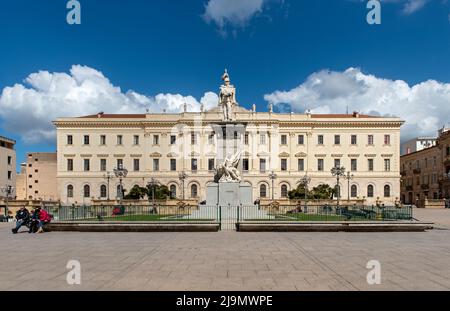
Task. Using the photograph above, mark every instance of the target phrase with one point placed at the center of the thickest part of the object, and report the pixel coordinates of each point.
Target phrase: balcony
(417, 171)
(403, 173)
(409, 188)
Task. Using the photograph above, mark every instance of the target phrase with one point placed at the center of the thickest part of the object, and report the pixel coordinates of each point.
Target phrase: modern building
(418, 144)
(7, 167)
(425, 173)
(182, 150)
(37, 178)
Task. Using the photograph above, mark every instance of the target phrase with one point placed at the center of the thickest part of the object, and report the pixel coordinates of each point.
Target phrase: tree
(323, 192)
(136, 193)
(298, 193)
(161, 192)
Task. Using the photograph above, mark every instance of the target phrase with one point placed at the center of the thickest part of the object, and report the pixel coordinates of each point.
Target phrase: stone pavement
(227, 260)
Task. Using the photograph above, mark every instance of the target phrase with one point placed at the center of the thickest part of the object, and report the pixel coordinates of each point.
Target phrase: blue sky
(275, 52)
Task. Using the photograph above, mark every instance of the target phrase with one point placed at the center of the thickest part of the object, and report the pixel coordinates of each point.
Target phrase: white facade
(291, 145)
(418, 144)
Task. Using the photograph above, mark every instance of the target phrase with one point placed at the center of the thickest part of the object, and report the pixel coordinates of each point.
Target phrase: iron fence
(324, 213)
(125, 213)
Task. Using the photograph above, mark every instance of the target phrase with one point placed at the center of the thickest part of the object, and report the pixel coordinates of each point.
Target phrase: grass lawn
(152, 217)
(308, 217)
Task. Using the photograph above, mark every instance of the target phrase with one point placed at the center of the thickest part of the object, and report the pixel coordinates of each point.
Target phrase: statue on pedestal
(228, 170)
(227, 97)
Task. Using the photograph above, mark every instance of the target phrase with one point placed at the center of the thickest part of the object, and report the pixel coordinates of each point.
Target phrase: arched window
(194, 191)
(354, 191)
(173, 191)
(284, 191)
(103, 192)
(370, 191)
(70, 191)
(387, 191)
(263, 191)
(87, 191)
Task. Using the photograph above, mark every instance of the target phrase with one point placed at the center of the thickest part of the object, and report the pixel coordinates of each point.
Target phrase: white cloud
(425, 107)
(234, 13)
(28, 109)
(412, 6)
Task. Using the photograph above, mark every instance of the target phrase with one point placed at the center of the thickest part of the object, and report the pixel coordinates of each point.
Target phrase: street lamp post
(107, 176)
(338, 171)
(182, 177)
(151, 186)
(273, 176)
(305, 181)
(121, 173)
(349, 176)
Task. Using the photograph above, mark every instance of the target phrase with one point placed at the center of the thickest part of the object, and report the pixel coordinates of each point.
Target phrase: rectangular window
(70, 165)
(136, 140)
(354, 164)
(370, 165)
(387, 165)
(246, 139)
(103, 165)
(284, 164)
(86, 139)
(301, 139)
(120, 163)
(87, 165)
(194, 165)
(370, 140)
(102, 140)
(320, 167)
(284, 139)
(155, 140)
(173, 139)
(136, 165)
(320, 140)
(173, 165)
(337, 139)
(387, 139)
(210, 165)
(9, 175)
(337, 162)
(301, 165)
(245, 165)
(9, 160)
(193, 139)
(155, 165)
(119, 140)
(69, 139)
(262, 139)
(354, 140)
(262, 165)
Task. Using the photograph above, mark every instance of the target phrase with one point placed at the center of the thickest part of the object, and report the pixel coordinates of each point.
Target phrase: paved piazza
(228, 260)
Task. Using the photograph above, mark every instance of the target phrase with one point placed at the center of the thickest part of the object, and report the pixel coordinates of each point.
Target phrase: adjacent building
(7, 167)
(37, 178)
(418, 144)
(425, 173)
(182, 150)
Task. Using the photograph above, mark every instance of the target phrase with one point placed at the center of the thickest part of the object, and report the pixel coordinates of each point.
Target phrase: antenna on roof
(347, 108)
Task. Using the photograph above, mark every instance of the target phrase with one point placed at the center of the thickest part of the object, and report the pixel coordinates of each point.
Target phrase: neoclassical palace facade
(183, 150)
(162, 146)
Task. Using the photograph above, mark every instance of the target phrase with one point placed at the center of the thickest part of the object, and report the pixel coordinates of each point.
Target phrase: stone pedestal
(229, 193)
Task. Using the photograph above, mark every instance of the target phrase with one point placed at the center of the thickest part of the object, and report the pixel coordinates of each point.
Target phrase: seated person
(35, 219)
(44, 218)
(22, 218)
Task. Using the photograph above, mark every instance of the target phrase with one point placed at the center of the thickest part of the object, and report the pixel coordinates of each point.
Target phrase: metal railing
(324, 213)
(143, 213)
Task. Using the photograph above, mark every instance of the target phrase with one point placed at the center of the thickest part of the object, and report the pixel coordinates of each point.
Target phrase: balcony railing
(417, 171)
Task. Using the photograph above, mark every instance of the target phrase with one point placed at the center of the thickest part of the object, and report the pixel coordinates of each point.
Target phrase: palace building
(182, 151)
